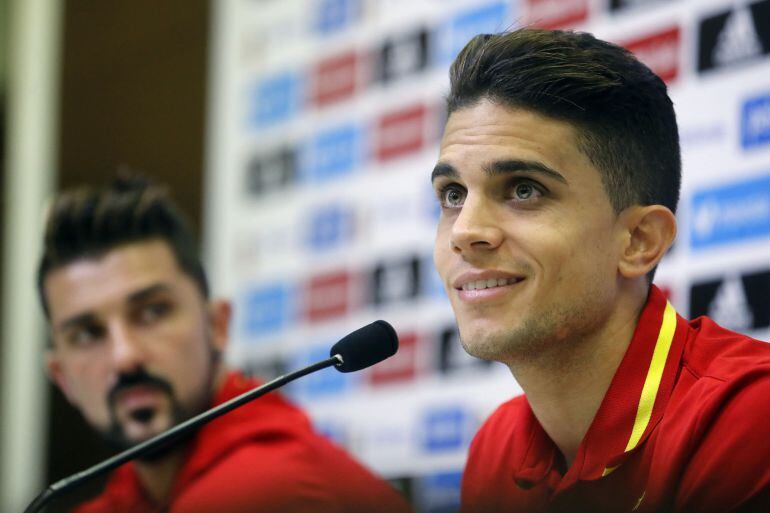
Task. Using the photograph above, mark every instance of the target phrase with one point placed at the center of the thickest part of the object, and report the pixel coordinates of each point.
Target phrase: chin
(484, 344)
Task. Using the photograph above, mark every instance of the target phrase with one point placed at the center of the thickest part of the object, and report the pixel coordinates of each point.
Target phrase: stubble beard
(552, 337)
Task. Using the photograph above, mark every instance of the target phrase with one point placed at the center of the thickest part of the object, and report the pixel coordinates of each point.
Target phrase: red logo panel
(334, 79)
(402, 132)
(659, 51)
(553, 14)
(328, 296)
(400, 367)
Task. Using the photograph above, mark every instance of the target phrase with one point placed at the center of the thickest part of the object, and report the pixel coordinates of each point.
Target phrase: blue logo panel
(447, 429)
(266, 310)
(439, 493)
(273, 100)
(330, 226)
(334, 15)
(324, 383)
(755, 122)
(331, 154)
(732, 213)
(490, 18)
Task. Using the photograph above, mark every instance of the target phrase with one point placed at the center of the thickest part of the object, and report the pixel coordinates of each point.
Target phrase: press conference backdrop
(324, 122)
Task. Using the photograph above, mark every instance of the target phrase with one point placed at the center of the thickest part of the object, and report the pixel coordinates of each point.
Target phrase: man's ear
(53, 368)
(220, 312)
(648, 233)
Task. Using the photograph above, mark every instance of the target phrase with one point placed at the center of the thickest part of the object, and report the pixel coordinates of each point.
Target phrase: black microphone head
(366, 346)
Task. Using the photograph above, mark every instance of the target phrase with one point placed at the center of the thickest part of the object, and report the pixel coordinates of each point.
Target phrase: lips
(480, 280)
(138, 397)
(481, 286)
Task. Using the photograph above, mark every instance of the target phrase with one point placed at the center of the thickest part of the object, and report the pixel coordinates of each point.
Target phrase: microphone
(365, 346)
(357, 350)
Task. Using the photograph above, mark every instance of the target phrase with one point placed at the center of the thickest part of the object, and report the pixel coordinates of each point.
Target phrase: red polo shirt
(262, 457)
(684, 427)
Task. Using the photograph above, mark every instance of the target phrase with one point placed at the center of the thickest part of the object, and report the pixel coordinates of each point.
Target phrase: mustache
(139, 377)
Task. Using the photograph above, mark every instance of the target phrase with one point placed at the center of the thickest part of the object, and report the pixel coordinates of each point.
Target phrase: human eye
(85, 335)
(451, 196)
(152, 311)
(523, 191)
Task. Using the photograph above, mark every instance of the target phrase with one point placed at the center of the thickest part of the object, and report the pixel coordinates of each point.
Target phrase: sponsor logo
(334, 15)
(332, 153)
(265, 310)
(735, 212)
(616, 5)
(487, 19)
(447, 429)
(400, 367)
(452, 357)
(737, 302)
(396, 281)
(401, 133)
(273, 100)
(334, 79)
(735, 36)
(324, 383)
(659, 51)
(438, 493)
(330, 226)
(404, 55)
(755, 122)
(267, 172)
(552, 14)
(328, 296)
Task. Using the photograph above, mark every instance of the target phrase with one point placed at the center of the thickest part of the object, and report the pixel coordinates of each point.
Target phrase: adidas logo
(734, 36)
(738, 40)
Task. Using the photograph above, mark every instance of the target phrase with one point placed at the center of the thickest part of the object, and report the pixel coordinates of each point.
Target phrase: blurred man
(558, 179)
(137, 348)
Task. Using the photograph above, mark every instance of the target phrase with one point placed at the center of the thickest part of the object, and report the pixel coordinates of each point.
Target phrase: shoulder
(300, 472)
(120, 495)
(729, 383)
(727, 378)
(502, 429)
(730, 400)
(718, 353)
(505, 419)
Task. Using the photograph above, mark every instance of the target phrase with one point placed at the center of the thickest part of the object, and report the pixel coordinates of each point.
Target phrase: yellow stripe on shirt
(654, 375)
(652, 381)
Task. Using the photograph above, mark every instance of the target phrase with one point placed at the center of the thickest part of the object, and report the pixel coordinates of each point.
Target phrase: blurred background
(299, 136)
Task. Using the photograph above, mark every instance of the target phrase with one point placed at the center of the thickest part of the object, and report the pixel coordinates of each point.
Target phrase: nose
(476, 227)
(128, 353)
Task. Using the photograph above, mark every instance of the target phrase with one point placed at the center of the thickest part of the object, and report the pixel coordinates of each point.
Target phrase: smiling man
(558, 179)
(137, 348)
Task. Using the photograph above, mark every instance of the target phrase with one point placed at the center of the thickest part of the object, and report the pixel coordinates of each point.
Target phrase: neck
(565, 387)
(157, 476)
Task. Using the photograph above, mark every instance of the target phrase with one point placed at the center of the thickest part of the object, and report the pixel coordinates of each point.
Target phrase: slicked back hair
(624, 119)
(88, 222)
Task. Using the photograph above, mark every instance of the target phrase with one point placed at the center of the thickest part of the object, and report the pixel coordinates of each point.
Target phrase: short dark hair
(88, 222)
(624, 119)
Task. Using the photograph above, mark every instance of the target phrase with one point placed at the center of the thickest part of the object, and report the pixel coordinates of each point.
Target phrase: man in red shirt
(137, 348)
(558, 179)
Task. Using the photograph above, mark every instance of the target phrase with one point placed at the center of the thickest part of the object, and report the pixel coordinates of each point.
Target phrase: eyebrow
(135, 297)
(500, 167)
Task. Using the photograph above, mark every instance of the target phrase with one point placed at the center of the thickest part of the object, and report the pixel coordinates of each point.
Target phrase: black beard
(115, 436)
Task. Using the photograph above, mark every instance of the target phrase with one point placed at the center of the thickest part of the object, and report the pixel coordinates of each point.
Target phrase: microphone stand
(177, 431)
